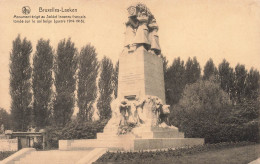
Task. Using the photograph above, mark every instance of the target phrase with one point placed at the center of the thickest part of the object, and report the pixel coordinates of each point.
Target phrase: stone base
(144, 132)
(163, 143)
(143, 138)
(133, 145)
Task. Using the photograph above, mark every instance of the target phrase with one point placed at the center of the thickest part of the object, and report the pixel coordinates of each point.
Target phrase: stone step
(141, 134)
(95, 143)
(113, 136)
(136, 144)
(52, 157)
(169, 134)
(103, 143)
(145, 129)
(164, 143)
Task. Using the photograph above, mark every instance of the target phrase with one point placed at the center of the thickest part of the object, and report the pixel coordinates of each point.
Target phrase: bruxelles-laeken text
(53, 9)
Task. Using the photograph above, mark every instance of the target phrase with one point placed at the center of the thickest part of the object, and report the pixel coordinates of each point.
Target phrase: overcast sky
(202, 28)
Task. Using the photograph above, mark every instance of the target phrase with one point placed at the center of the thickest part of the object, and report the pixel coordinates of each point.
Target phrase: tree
(20, 84)
(226, 77)
(240, 81)
(5, 119)
(174, 81)
(105, 86)
(209, 70)
(42, 82)
(87, 87)
(243, 122)
(65, 82)
(252, 84)
(165, 66)
(201, 110)
(115, 78)
(192, 70)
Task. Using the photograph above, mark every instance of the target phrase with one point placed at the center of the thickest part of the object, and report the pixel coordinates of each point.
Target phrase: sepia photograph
(133, 81)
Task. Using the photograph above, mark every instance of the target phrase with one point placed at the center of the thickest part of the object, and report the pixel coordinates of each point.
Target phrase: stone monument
(139, 113)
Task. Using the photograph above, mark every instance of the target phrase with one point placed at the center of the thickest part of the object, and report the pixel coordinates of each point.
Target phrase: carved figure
(138, 111)
(124, 108)
(141, 30)
(154, 38)
(141, 38)
(130, 32)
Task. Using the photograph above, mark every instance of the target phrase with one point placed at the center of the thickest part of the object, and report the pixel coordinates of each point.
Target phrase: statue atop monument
(141, 30)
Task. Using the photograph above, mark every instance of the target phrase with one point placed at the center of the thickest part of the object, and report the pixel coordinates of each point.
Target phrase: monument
(139, 113)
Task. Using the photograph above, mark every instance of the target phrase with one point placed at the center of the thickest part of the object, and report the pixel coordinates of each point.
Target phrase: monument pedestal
(140, 74)
(145, 139)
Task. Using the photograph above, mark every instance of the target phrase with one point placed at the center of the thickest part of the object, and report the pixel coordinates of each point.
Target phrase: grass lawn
(237, 154)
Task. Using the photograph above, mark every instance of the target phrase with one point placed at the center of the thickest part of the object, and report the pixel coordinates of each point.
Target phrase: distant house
(27, 139)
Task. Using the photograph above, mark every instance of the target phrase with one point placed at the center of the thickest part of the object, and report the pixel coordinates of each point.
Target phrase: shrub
(201, 110)
(37, 145)
(205, 111)
(73, 130)
(53, 135)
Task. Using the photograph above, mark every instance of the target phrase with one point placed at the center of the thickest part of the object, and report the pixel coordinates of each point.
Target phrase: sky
(206, 29)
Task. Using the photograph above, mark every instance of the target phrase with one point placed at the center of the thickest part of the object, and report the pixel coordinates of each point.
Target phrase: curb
(16, 156)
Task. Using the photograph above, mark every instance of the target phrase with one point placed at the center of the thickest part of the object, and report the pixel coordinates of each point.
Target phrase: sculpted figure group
(127, 114)
(141, 30)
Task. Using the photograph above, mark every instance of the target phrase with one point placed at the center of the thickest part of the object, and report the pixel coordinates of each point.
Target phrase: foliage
(192, 70)
(252, 84)
(161, 155)
(200, 111)
(73, 130)
(115, 78)
(42, 82)
(240, 82)
(65, 81)
(53, 135)
(174, 81)
(177, 75)
(37, 145)
(226, 77)
(87, 87)
(5, 119)
(20, 84)
(243, 122)
(209, 70)
(206, 112)
(165, 66)
(105, 86)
